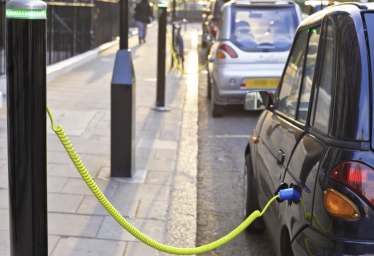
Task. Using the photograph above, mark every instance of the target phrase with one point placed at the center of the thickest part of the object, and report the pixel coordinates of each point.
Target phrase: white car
(252, 46)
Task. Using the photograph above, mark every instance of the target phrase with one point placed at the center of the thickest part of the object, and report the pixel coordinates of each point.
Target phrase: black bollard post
(26, 111)
(160, 97)
(123, 105)
(173, 30)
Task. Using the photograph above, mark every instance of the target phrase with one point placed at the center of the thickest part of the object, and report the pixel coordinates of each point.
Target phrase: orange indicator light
(339, 205)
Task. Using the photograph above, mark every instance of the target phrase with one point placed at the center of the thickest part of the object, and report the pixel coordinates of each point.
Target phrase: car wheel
(250, 198)
(217, 110)
(209, 87)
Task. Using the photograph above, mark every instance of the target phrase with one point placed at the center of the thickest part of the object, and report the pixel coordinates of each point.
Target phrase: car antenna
(321, 6)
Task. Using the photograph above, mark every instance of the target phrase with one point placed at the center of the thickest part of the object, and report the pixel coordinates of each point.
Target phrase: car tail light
(229, 50)
(358, 177)
(214, 27)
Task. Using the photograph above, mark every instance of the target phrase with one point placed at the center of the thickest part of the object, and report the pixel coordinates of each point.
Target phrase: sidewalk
(161, 200)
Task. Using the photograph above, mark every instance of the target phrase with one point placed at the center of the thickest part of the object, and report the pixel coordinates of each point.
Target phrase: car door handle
(280, 157)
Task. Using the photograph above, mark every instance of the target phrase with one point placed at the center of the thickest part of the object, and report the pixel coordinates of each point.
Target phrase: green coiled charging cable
(126, 225)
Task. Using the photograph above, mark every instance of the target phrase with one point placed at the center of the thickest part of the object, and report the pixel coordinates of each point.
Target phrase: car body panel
(351, 108)
(302, 171)
(310, 242)
(276, 135)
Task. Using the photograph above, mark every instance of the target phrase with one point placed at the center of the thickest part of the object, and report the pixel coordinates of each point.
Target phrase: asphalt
(222, 142)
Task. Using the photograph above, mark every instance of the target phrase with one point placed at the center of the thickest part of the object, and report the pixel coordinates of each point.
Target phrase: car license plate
(261, 82)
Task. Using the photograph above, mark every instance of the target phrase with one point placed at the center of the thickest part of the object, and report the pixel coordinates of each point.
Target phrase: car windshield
(263, 29)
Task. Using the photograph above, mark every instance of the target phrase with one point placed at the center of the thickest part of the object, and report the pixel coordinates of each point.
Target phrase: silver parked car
(252, 46)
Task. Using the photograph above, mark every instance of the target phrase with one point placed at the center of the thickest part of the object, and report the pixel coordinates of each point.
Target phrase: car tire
(217, 110)
(209, 87)
(250, 198)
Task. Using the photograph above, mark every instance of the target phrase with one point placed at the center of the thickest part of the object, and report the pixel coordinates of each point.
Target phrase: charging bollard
(123, 116)
(27, 136)
(122, 131)
(160, 97)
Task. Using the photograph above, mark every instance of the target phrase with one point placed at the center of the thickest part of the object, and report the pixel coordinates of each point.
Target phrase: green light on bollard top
(26, 14)
(161, 5)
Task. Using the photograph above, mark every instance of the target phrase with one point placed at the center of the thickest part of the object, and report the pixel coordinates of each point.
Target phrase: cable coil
(176, 60)
(125, 224)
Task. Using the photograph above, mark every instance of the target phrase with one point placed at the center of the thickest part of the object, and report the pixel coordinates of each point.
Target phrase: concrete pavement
(161, 200)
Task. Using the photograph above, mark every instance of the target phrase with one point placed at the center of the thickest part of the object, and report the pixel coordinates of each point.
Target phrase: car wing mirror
(208, 38)
(257, 100)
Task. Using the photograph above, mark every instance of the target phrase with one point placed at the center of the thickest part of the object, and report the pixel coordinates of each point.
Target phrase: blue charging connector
(289, 194)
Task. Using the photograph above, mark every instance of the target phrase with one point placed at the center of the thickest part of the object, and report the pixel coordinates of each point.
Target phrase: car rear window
(263, 29)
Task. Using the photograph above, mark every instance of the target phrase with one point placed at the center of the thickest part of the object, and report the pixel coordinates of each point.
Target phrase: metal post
(123, 105)
(185, 16)
(160, 97)
(173, 30)
(123, 24)
(26, 112)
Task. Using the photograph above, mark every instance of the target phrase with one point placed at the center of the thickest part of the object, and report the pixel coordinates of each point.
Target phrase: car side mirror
(257, 100)
(208, 38)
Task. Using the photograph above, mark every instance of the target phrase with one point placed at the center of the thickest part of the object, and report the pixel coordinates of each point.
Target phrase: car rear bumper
(228, 79)
(311, 242)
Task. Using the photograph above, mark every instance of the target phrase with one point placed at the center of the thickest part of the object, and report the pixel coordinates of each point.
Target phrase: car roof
(316, 3)
(335, 8)
(261, 2)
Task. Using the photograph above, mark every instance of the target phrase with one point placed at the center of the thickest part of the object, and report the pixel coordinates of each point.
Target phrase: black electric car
(316, 135)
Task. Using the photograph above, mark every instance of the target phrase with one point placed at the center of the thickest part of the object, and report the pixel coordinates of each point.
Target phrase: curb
(181, 224)
(62, 67)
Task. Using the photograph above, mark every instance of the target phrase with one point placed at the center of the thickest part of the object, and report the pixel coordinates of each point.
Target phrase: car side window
(311, 57)
(323, 89)
(289, 91)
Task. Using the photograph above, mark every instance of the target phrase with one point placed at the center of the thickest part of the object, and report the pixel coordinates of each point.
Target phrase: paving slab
(155, 164)
(73, 225)
(63, 203)
(127, 206)
(72, 246)
(160, 178)
(4, 243)
(138, 248)
(4, 199)
(111, 230)
(152, 210)
(79, 187)
(4, 219)
(143, 191)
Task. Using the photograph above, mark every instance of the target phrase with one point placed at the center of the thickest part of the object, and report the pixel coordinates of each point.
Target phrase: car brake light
(229, 50)
(214, 27)
(358, 177)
